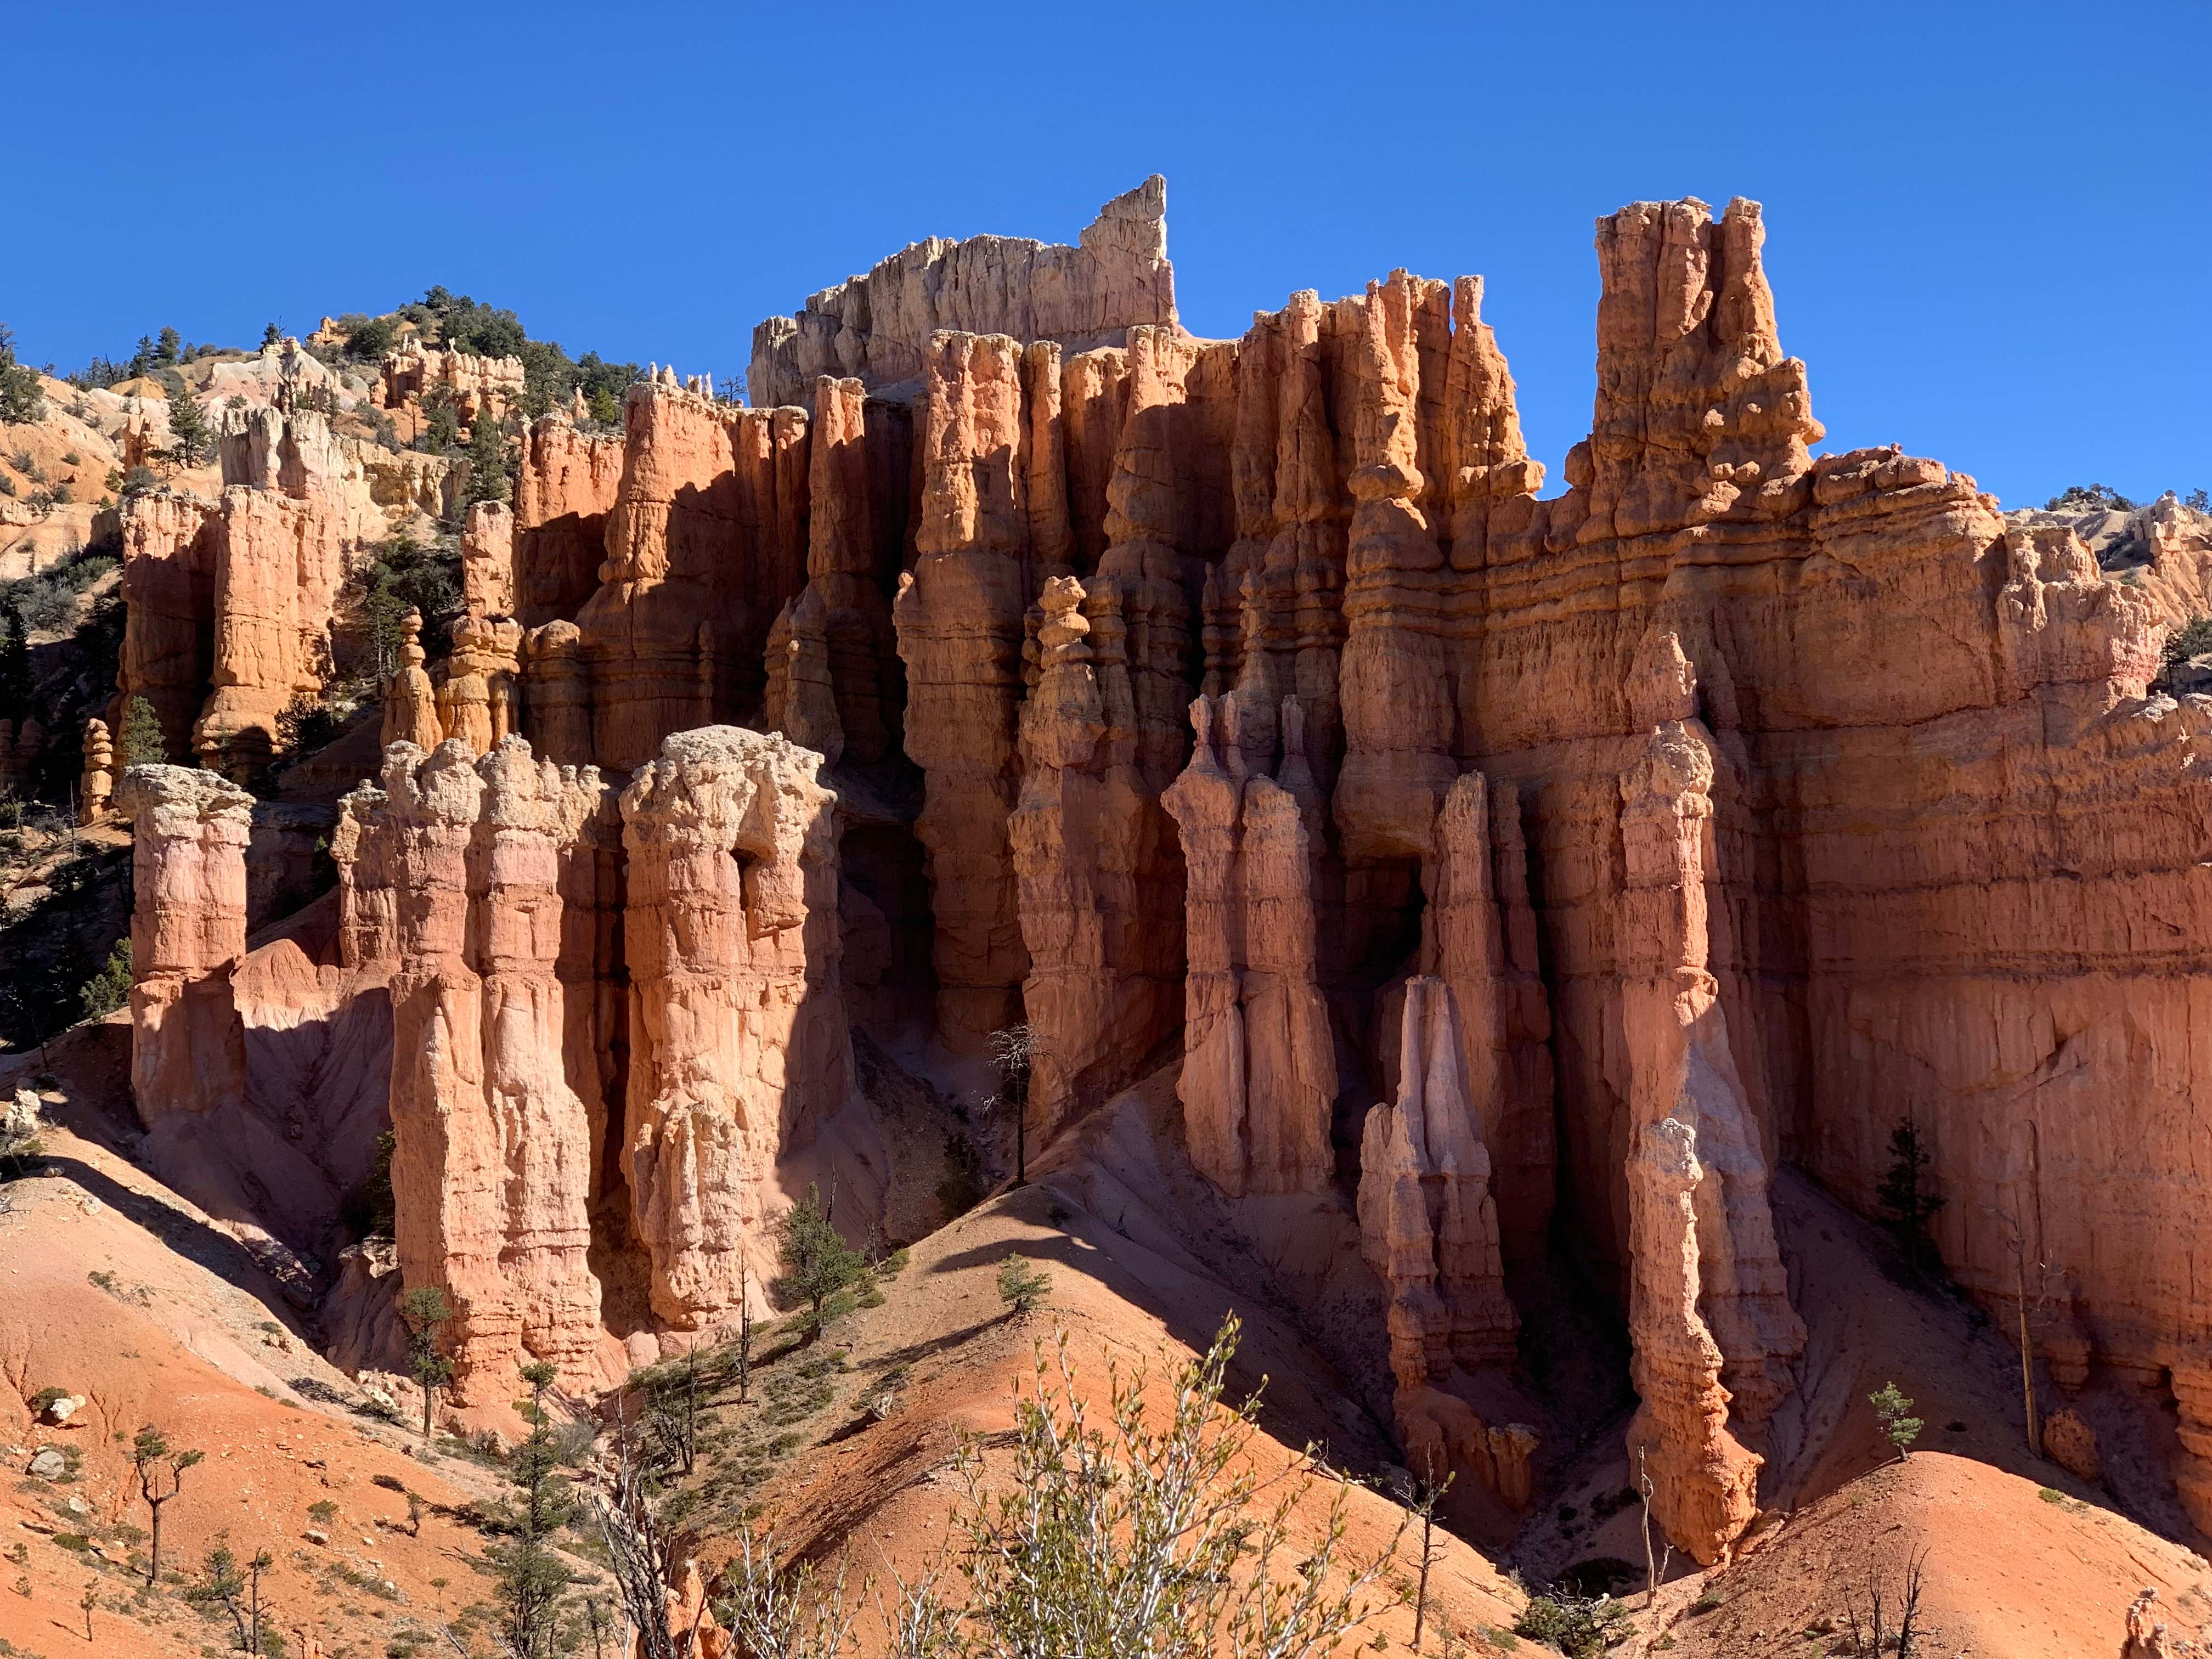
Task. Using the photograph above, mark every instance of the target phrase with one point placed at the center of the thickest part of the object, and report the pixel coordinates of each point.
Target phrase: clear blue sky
(1990, 225)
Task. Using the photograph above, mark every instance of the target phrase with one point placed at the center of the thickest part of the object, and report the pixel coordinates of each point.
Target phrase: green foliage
(370, 340)
(1580, 1626)
(1893, 1411)
(141, 742)
(2192, 639)
(465, 324)
(404, 576)
(962, 1189)
(137, 482)
(110, 989)
(487, 479)
(1905, 1193)
(191, 436)
(532, 1583)
(14, 665)
(368, 1210)
(21, 400)
(308, 724)
(2088, 498)
(441, 434)
(1021, 1283)
(1106, 1536)
(424, 1308)
(817, 1262)
(2199, 499)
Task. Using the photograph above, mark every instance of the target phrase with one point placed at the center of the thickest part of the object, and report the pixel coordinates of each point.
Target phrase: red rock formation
(492, 1168)
(169, 543)
(190, 830)
(1259, 1074)
(706, 543)
(98, 770)
(410, 378)
(1709, 1304)
(1428, 1227)
(563, 492)
(739, 1047)
(878, 327)
(959, 617)
(1922, 846)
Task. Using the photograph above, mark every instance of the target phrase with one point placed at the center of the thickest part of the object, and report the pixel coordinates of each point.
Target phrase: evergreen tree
(271, 335)
(142, 743)
(20, 400)
(172, 347)
(425, 1309)
(1891, 1409)
(188, 426)
(487, 480)
(1907, 1194)
(532, 1582)
(110, 989)
(817, 1262)
(161, 1469)
(14, 666)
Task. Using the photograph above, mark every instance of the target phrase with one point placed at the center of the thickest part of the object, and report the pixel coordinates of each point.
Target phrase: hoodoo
(1491, 883)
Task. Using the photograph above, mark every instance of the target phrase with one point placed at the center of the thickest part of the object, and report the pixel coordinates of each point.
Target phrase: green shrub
(1582, 1627)
(110, 989)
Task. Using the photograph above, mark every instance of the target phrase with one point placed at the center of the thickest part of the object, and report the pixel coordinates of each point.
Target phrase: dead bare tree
(1430, 1494)
(1654, 1565)
(639, 1547)
(1877, 1636)
(2030, 1291)
(1013, 1054)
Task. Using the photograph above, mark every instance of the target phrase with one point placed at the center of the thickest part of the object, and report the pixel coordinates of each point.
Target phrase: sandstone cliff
(1498, 876)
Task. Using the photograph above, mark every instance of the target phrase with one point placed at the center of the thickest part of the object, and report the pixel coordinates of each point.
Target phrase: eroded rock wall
(739, 1051)
(877, 328)
(1907, 838)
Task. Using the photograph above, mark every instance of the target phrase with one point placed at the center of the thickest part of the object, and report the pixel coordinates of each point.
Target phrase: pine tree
(817, 1262)
(425, 1309)
(1891, 1409)
(152, 1458)
(532, 1582)
(20, 399)
(1906, 1193)
(487, 480)
(194, 439)
(110, 989)
(14, 666)
(142, 743)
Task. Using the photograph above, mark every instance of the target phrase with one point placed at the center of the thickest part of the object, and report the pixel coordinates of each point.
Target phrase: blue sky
(1989, 226)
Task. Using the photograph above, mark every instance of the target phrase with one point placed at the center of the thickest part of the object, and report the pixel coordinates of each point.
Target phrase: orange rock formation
(1541, 870)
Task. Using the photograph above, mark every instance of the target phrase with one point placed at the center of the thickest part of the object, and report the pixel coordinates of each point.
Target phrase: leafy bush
(1021, 1285)
(1580, 1626)
(962, 1189)
(110, 989)
(20, 400)
(370, 340)
(2191, 639)
(2088, 498)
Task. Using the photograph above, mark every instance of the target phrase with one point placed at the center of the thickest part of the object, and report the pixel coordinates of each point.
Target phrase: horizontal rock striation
(1501, 874)
(877, 328)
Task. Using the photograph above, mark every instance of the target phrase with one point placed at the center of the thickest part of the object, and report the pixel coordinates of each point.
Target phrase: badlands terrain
(563, 914)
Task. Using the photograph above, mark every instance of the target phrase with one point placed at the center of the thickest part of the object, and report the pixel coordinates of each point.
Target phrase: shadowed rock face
(1502, 872)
